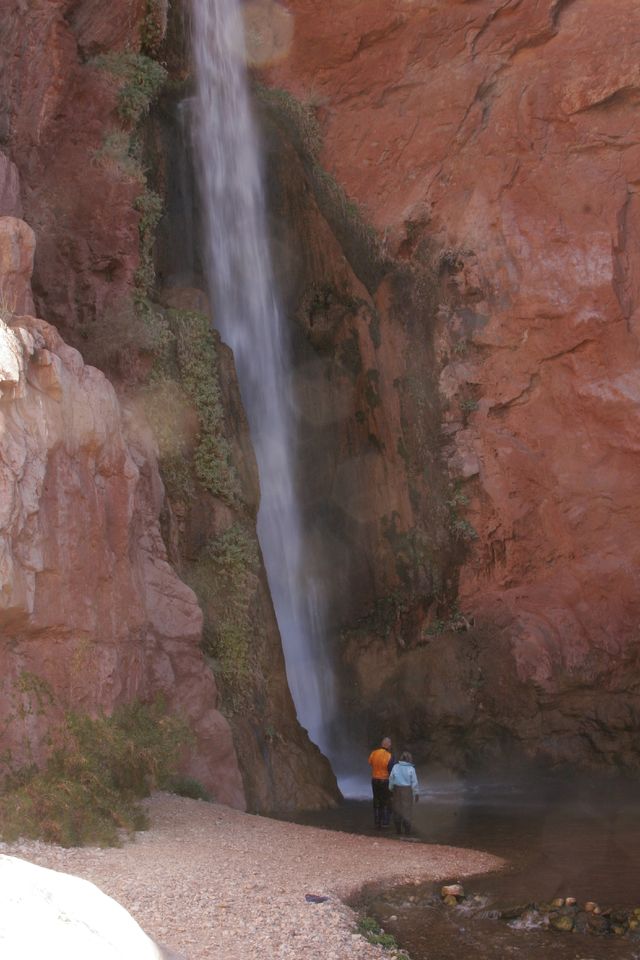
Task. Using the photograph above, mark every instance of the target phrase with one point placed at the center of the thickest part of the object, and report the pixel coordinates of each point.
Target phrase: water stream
(249, 317)
(559, 838)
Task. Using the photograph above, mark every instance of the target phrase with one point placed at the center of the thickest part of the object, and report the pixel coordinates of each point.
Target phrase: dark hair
(405, 755)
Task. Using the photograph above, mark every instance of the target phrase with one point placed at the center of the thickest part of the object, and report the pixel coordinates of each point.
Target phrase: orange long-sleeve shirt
(379, 763)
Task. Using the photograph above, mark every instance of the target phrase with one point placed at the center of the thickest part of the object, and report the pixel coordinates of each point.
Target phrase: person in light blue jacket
(403, 784)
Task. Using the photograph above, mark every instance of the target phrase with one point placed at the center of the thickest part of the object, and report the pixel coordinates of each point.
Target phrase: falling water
(249, 317)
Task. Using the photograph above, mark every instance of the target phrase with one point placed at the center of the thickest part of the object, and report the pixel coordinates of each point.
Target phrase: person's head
(386, 743)
(406, 756)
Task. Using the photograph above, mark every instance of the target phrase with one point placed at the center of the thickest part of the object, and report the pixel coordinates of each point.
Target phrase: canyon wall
(497, 142)
(454, 208)
(91, 613)
(78, 79)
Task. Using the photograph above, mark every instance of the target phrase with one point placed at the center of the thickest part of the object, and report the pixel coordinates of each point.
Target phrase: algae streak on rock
(90, 609)
(506, 133)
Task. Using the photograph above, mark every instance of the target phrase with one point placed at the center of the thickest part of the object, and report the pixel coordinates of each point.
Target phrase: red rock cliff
(88, 601)
(66, 124)
(506, 133)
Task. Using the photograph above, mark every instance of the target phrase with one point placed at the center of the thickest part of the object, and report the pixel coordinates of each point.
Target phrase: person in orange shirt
(381, 761)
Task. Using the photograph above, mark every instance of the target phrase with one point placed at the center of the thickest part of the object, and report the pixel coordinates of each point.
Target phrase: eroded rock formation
(466, 375)
(59, 121)
(90, 607)
(77, 81)
(502, 135)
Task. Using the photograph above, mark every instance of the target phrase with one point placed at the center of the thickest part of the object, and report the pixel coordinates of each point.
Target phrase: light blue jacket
(403, 774)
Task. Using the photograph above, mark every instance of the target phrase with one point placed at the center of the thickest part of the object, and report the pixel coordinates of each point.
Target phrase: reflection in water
(581, 840)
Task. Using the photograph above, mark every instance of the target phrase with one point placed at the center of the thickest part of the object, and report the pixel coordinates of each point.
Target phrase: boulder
(50, 914)
(561, 922)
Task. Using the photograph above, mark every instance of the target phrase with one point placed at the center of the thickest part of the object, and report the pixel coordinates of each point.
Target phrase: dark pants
(381, 803)
(402, 809)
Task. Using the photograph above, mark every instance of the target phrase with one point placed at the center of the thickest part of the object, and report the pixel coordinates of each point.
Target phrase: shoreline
(208, 881)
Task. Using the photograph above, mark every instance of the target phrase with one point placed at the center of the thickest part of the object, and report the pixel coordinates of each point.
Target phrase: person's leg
(386, 804)
(397, 817)
(402, 804)
(378, 801)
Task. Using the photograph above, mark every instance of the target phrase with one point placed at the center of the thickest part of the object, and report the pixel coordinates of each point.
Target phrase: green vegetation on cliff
(198, 366)
(357, 237)
(184, 405)
(224, 580)
(140, 80)
(98, 770)
(186, 382)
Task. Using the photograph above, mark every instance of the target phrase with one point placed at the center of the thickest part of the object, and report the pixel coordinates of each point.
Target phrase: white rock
(46, 914)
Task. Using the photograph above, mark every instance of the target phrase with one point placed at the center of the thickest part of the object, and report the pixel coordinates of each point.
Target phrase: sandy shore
(210, 882)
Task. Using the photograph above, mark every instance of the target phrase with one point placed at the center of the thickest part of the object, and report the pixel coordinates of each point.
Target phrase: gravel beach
(211, 882)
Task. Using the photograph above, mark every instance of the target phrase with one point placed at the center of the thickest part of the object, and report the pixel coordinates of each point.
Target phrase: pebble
(208, 881)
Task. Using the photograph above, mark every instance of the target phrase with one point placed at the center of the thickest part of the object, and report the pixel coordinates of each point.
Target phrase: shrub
(197, 361)
(154, 25)
(223, 581)
(118, 155)
(371, 930)
(93, 779)
(141, 79)
(149, 205)
(186, 787)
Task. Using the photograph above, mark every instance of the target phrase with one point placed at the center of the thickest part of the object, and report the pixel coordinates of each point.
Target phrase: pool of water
(577, 840)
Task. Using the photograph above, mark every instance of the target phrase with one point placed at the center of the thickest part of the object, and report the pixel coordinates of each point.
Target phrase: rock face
(59, 122)
(468, 399)
(371, 486)
(438, 118)
(10, 204)
(48, 913)
(17, 247)
(88, 601)
(86, 195)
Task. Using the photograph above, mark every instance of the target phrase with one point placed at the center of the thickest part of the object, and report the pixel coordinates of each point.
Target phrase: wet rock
(531, 917)
(598, 924)
(452, 890)
(560, 921)
(581, 922)
(513, 913)
(617, 915)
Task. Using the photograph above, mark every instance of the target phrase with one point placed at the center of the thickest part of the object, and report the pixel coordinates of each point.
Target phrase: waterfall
(249, 318)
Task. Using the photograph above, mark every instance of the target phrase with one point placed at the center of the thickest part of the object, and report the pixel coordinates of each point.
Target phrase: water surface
(580, 839)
